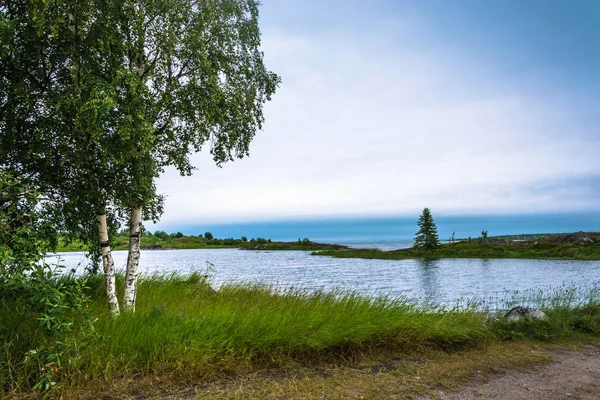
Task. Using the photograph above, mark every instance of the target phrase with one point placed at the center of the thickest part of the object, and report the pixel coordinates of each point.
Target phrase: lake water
(445, 281)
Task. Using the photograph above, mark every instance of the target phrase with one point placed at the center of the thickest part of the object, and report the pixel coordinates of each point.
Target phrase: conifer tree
(427, 236)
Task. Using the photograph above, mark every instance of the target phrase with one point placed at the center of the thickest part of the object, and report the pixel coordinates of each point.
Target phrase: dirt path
(570, 375)
(519, 371)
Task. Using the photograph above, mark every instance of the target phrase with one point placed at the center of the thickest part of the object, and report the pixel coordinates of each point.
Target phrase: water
(446, 281)
(333, 230)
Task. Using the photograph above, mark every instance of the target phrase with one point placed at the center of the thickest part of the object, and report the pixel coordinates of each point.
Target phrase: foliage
(63, 124)
(23, 234)
(160, 234)
(97, 98)
(171, 241)
(427, 236)
(37, 308)
(208, 236)
(484, 237)
(465, 249)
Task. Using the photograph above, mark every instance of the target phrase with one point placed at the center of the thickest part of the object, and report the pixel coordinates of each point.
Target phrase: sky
(387, 107)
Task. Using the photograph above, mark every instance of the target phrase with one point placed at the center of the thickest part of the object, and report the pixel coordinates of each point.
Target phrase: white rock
(518, 313)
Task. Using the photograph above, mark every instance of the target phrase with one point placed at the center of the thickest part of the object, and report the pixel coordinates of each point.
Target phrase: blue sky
(467, 107)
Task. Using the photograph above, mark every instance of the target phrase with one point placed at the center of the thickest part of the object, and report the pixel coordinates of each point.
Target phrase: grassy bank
(474, 249)
(240, 329)
(120, 242)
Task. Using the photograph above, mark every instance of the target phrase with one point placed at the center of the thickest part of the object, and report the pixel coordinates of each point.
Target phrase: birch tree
(56, 117)
(195, 77)
(97, 97)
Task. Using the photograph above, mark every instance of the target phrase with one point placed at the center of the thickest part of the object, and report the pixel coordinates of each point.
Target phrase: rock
(152, 247)
(518, 313)
(578, 237)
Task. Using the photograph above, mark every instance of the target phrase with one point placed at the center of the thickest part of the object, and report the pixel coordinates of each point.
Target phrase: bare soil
(509, 370)
(569, 375)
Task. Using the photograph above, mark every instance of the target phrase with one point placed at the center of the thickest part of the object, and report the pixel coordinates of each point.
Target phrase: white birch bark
(133, 259)
(109, 267)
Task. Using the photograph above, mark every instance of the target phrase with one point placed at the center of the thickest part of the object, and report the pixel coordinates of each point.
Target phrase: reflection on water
(446, 281)
(429, 271)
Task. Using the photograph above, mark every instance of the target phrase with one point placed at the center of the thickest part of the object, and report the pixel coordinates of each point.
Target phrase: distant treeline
(178, 240)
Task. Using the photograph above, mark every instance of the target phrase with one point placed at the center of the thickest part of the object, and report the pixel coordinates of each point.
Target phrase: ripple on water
(444, 281)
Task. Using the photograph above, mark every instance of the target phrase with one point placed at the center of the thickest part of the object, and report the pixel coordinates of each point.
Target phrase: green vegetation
(548, 248)
(427, 236)
(304, 244)
(37, 308)
(163, 240)
(242, 328)
(98, 98)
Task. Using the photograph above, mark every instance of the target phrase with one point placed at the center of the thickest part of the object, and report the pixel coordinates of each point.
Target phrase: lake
(446, 281)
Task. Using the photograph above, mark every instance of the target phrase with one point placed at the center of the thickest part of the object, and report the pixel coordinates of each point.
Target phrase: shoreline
(571, 246)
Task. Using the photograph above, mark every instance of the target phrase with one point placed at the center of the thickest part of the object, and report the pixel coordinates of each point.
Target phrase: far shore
(571, 246)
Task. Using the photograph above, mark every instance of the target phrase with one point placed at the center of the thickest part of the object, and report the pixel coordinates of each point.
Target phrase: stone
(578, 237)
(518, 313)
(152, 247)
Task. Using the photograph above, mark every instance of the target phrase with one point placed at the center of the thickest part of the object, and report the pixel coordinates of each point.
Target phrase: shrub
(37, 307)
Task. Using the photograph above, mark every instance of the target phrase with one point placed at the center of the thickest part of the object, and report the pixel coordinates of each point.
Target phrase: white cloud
(357, 130)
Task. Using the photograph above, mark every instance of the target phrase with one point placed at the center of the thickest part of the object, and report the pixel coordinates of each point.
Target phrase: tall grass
(182, 325)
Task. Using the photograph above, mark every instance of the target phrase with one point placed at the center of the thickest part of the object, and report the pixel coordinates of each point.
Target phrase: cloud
(370, 128)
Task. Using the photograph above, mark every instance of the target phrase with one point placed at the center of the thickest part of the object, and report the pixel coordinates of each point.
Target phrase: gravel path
(570, 375)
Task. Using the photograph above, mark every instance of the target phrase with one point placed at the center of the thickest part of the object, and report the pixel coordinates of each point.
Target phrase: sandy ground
(570, 375)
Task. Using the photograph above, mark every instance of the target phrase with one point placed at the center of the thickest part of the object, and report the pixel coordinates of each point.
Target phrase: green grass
(195, 242)
(249, 324)
(182, 326)
(473, 249)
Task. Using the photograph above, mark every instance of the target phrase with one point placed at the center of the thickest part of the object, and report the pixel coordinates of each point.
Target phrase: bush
(161, 234)
(38, 310)
(229, 242)
(37, 307)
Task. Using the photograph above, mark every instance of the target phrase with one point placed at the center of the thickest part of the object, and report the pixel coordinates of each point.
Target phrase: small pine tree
(427, 235)
(484, 236)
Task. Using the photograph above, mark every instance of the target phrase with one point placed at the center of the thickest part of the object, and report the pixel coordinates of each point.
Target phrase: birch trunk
(109, 267)
(133, 259)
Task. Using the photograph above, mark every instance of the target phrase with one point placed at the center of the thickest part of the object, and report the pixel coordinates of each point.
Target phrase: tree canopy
(97, 97)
